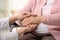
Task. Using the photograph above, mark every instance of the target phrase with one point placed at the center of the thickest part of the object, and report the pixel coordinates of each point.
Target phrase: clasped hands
(28, 21)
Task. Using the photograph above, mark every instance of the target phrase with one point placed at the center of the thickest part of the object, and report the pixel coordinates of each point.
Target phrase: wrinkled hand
(22, 15)
(21, 30)
(18, 16)
(29, 28)
(32, 20)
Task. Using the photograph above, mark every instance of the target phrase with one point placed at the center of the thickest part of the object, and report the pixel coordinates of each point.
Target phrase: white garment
(42, 28)
(5, 33)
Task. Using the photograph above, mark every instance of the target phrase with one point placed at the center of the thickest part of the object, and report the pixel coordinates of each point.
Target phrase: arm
(5, 23)
(4, 26)
(12, 35)
(53, 19)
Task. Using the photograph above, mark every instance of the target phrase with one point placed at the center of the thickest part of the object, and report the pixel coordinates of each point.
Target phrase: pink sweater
(53, 20)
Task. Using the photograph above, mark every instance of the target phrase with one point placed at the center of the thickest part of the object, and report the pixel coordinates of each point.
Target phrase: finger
(30, 26)
(27, 13)
(34, 26)
(25, 21)
(28, 21)
(26, 16)
(28, 29)
(34, 15)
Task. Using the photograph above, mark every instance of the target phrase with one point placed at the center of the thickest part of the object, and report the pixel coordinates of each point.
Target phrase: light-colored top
(46, 9)
(52, 20)
(5, 33)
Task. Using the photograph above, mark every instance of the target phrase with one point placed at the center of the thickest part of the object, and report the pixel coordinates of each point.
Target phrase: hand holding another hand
(29, 28)
(18, 16)
(22, 15)
(32, 20)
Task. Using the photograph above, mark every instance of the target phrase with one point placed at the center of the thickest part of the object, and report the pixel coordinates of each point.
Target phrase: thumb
(26, 14)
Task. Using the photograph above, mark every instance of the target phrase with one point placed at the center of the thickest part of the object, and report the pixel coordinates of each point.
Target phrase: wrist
(12, 20)
(42, 19)
(20, 30)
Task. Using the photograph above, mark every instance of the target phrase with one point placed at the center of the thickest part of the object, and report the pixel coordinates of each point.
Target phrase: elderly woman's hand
(32, 27)
(18, 16)
(32, 20)
(21, 15)
(29, 28)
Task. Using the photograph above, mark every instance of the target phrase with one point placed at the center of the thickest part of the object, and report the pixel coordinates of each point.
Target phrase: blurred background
(8, 7)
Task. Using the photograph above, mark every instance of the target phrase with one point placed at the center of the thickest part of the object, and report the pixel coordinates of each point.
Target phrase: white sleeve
(4, 24)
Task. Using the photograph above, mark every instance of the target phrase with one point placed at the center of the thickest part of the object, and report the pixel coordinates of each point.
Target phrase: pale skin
(28, 28)
(21, 16)
(33, 20)
(27, 19)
